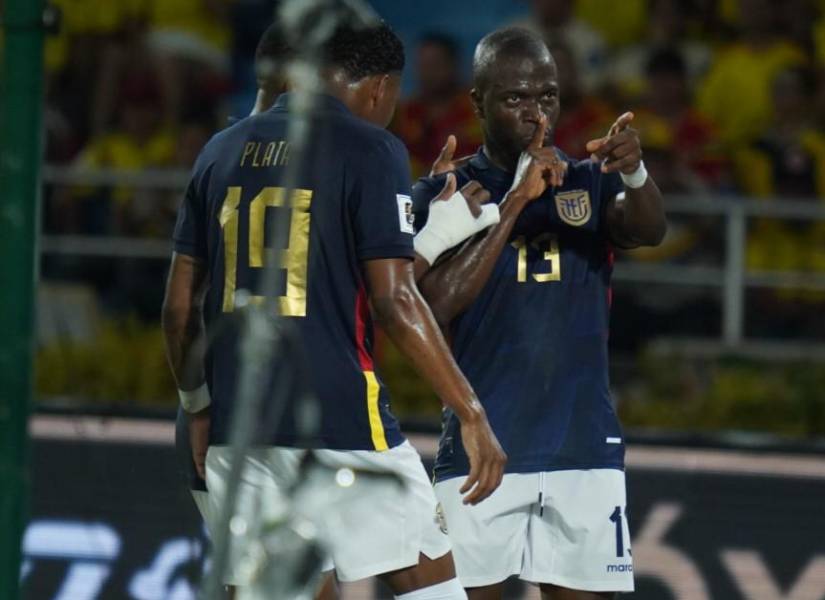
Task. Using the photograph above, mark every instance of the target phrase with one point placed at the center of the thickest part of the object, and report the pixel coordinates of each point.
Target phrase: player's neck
(500, 159)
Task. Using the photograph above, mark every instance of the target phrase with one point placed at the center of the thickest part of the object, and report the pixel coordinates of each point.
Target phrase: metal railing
(731, 277)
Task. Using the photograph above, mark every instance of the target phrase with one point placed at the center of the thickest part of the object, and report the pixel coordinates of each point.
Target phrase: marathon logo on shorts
(621, 568)
(574, 207)
(405, 214)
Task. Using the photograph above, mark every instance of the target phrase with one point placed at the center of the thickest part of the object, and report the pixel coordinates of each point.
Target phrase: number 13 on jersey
(548, 245)
(293, 259)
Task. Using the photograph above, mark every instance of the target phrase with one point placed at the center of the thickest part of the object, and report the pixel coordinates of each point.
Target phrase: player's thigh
(489, 538)
(487, 592)
(426, 573)
(386, 518)
(579, 539)
(554, 592)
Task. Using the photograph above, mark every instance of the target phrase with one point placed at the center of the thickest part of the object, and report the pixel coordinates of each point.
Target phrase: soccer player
(351, 257)
(270, 55)
(526, 307)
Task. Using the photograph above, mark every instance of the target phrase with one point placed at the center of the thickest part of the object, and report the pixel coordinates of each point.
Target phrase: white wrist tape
(450, 222)
(637, 178)
(196, 400)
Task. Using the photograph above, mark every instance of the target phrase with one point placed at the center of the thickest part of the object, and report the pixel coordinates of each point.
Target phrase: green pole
(21, 97)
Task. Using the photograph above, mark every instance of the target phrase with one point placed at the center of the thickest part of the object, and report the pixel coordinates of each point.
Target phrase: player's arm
(182, 314)
(182, 320)
(454, 218)
(183, 332)
(380, 209)
(403, 314)
(482, 215)
(454, 284)
(638, 217)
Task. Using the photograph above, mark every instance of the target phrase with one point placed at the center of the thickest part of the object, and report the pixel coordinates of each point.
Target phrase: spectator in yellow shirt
(190, 40)
(139, 141)
(736, 94)
(787, 161)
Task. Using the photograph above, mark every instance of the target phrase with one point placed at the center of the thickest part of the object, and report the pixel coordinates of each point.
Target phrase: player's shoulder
(219, 142)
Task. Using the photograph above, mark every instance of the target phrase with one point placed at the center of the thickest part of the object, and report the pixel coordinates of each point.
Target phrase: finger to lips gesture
(538, 167)
(620, 150)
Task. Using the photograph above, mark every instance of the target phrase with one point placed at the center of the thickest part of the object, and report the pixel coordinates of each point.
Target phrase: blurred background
(717, 341)
(716, 329)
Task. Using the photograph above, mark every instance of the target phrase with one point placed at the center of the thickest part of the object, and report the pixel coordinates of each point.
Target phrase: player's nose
(531, 113)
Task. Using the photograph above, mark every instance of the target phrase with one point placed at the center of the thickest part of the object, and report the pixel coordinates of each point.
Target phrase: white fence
(730, 277)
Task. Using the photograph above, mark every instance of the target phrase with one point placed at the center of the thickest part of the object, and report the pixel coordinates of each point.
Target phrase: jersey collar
(323, 102)
(481, 162)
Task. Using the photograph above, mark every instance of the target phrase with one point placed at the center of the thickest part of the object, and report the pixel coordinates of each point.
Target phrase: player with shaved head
(526, 305)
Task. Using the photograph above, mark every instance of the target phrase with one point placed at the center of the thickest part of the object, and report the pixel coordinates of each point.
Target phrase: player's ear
(477, 99)
(379, 87)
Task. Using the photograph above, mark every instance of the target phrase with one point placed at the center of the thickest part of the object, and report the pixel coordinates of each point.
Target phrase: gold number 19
(293, 259)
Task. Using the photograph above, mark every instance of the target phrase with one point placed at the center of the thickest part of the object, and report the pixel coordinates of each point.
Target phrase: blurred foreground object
(21, 85)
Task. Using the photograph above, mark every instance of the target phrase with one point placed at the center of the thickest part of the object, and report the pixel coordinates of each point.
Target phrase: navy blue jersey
(534, 343)
(352, 205)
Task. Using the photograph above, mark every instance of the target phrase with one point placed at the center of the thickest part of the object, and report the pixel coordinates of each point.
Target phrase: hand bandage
(450, 223)
(196, 400)
(637, 178)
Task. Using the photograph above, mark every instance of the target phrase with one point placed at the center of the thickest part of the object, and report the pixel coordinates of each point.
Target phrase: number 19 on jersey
(294, 259)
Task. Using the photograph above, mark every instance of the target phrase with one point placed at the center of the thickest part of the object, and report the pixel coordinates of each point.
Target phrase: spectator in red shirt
(440, 107)
(667, 107)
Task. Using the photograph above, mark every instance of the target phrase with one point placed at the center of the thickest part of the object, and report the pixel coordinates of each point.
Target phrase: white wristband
(637, 178)
(195, 400)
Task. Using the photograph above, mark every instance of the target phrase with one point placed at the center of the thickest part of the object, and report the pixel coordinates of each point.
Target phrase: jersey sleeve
(380, 203)
(190, 228)
(612, 186)
(606, 186)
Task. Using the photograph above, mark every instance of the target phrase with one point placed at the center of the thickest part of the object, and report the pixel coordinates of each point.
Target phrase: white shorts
(379, 527)
(575, 537)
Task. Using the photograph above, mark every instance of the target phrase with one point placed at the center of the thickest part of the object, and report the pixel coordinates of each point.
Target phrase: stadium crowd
(729, 96)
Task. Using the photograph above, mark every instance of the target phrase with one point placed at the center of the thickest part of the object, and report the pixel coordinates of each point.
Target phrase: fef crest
(574, 207)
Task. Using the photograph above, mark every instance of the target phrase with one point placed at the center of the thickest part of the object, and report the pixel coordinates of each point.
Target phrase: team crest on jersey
(440, 518)
(574, 207)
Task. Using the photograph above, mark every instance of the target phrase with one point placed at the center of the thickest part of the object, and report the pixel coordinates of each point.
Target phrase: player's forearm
(452, 286)
(644, 221)
(407, 320)
(420, 267)
(184, 334)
